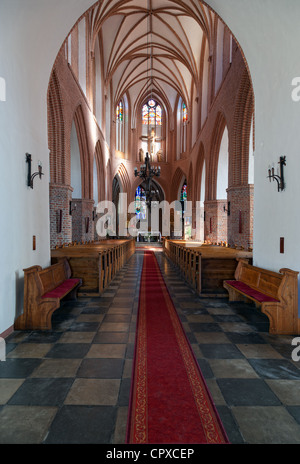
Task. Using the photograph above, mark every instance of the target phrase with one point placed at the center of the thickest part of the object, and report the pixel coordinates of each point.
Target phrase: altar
(148, 237)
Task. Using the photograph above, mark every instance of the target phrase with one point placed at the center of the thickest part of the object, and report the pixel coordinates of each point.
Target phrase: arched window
(152, 122)
(184, 122)
(183, 195)
(140, 203)
(184, 114)
(152, 114)
(119, 113)
(120, 127)
(186, 221)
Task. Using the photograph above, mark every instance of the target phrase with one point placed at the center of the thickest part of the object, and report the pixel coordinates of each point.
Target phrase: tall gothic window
(184, 122)
(120, 127)
(152, 115)
(140, 203)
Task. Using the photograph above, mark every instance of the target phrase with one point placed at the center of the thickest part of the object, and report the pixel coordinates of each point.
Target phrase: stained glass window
(119, 112)
(152, 113)
(140, 203)
(184, 113)
(183, 196)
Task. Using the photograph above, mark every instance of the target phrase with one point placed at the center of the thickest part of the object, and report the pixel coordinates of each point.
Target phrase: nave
(71, 385)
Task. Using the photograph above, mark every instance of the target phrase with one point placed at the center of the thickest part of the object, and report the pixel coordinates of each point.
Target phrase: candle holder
(30, 176)
(279, 179)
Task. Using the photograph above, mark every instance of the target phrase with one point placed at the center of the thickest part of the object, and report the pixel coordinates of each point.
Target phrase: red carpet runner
(170, 402)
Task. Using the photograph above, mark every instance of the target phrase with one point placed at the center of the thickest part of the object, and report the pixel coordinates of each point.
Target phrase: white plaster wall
(222, 179)
(75, 164)
(31, 33)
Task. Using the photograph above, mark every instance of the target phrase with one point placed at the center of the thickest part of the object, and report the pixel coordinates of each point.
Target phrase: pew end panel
(43, 291)
(275, 294)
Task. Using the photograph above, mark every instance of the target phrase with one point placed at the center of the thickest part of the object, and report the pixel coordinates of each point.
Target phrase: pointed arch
(100, 172)
(86, 168)
(212, 171)
(198, 172)
(124, 179)
(56, 132)
(177, 179)
(243, 119)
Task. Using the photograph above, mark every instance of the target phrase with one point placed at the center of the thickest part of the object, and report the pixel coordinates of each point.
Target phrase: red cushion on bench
(261, 297)
(62, 289)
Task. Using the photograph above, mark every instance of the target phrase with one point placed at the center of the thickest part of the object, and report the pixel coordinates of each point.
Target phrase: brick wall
(60, 219)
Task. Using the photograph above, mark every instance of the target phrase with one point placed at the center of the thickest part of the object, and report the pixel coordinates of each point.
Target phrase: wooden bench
(96, 264)
(204, 267)
(43, 291)
(276, 294)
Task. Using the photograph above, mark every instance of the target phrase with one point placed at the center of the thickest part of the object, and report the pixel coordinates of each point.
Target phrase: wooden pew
(204, 266)
(96, 263)
(276, 294)
(43, 291)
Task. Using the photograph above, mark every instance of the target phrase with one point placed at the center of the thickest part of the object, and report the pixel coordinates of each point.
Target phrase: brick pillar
(215, 224)
(60, 219)
(240, 221)
(83, 228)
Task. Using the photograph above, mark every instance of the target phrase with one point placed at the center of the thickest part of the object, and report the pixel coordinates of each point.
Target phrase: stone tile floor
(71, 385)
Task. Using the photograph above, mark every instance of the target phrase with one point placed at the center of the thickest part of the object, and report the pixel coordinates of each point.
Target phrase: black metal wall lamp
(30, 176)
(279, 179)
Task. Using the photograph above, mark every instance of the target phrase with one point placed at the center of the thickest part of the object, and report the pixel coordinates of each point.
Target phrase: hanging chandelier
(147, 172)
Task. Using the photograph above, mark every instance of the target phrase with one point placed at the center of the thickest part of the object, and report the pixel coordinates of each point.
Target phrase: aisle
(72, 385)
(170, 402)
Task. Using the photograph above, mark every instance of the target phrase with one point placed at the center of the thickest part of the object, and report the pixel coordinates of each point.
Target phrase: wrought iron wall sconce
(228, 209)
(30, 176)
(279, 179)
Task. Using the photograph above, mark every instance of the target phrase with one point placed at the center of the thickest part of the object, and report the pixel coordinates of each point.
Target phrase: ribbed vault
(151, 44)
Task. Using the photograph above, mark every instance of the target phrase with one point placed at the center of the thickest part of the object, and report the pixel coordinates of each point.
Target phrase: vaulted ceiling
(152, 46)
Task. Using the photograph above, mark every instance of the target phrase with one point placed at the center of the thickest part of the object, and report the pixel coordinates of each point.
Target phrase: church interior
(155, 144)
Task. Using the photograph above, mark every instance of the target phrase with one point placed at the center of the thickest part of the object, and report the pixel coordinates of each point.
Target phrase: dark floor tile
(242, 338)
(226, 318)
(130, 351)
(83, 425)
(275, 368)
(101, 368)
(205, 369)
(232, 431)
(295, 412)
(91, 309)
(41, 392)
(192, 311)
(117, 318)
(124, 394)
(111, 337)
(47, 336)
(10, 347)
(220, 351)
(84, 326)
(62, 324)
(204, 327)
(68, 350)
(18, 368)
(191, 337)
(247, 392)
